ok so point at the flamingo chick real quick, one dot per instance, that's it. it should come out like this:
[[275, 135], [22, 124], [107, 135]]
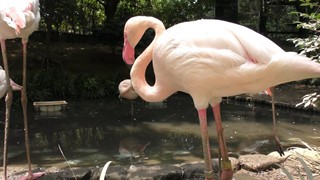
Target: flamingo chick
[[209, 59], [18, 19]]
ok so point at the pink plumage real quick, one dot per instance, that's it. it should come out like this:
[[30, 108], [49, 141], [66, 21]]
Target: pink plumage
[[208, 59], [18, 19]]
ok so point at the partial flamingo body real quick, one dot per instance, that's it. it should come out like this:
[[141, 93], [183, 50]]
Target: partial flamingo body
[[18, 19], [209, 59], [3, 84]]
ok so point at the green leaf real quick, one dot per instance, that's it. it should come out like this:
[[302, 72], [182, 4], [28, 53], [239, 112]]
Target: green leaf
[[305, 4], [285, 171], [306, 168]]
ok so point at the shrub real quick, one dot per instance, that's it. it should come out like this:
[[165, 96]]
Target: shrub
[[309, 46]]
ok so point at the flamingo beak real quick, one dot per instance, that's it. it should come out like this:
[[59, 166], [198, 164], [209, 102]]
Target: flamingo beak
[[127, 52], [129, 66]]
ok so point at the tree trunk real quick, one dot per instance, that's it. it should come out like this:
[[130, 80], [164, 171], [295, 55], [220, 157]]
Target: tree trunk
[[110, 8], [227, 10], [262, 18]]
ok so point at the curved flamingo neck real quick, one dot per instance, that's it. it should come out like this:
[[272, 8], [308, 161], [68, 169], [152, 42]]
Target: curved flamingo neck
[[149, 93]]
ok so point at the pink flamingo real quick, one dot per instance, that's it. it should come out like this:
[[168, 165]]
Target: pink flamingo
[[3, 84], [208, 59], [18, 19]]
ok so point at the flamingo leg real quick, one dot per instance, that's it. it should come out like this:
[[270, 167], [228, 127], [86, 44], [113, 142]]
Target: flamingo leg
[[24, 101], [8, 108], [275, 132], [202, 113], [226, 166]]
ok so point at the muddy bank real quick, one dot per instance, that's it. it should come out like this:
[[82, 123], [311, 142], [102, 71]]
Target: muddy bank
[[245, 167]]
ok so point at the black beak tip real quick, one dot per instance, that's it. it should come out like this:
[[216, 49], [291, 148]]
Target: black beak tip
[[129, 66]]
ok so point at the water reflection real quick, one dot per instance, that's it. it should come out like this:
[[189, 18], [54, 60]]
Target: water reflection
[[90, 132], [132, 148]]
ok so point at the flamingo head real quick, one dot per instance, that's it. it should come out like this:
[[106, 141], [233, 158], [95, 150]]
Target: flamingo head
[[126, 90], [134, 29]]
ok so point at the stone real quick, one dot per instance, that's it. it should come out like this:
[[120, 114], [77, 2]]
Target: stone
[[258, 162], [243, 175], [81, 173], [158, 172]]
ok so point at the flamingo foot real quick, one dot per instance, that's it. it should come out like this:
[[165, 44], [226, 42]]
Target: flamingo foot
[[226, 175], [209, 175], [226, 170], [32, 176], [278, 145]]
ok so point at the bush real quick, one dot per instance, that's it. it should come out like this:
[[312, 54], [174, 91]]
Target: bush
[[50, 84], [88, 87], [309, 46], [54, 84]]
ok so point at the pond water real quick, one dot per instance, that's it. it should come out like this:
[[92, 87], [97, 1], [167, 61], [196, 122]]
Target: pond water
[[90, 132]]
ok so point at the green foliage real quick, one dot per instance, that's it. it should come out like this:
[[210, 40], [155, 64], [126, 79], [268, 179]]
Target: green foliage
[[249, 11], [49, 84], [86, 16], [172, 12], [169, 11], [71, 16], [53, 84], [88, 87], [309, 46]]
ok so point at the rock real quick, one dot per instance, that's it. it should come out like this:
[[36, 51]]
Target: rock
[[158, 172], [311, 157], [80, 174], [235, 164], [258, 166], [243, 175], [194, 170], [258, 162], [300, 152]]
